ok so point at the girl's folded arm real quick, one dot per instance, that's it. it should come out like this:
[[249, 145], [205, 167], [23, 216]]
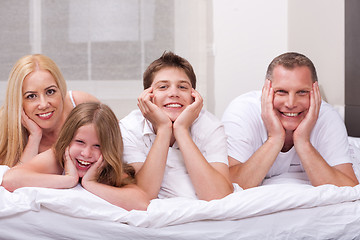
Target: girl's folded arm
[[128, 197], [41, 171]]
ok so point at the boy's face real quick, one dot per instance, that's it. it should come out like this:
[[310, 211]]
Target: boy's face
[[172, 91], [292, 89]]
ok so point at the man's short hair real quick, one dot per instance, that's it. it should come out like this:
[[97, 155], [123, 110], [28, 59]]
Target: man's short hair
[[291, 60]]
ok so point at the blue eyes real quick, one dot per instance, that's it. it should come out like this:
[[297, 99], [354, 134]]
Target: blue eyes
[[303, 92], [280, 92], [283, 92]]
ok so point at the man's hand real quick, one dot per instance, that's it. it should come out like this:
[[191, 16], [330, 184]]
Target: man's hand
[[303, 131], [271, 121]]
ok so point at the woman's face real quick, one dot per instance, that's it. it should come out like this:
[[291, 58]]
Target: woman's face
[[84, 148], [42, 100]]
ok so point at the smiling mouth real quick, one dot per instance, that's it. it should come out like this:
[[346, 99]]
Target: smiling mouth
[[83, 163], [173, 105], [290, 114], [45, 115]]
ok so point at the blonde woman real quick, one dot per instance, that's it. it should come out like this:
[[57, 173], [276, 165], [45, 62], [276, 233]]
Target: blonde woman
[[36, 106], [89, 150]]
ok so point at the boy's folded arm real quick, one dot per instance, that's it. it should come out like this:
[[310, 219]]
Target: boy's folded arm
[[210, 180]]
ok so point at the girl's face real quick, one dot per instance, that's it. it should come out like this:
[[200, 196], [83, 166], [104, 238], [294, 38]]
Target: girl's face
[[85, 148], [172, 91], [42, 100]]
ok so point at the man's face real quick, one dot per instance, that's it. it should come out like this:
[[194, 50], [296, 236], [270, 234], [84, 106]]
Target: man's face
[[291, 94]]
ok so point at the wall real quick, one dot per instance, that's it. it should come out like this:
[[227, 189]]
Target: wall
[[249, 34], [317, 29]]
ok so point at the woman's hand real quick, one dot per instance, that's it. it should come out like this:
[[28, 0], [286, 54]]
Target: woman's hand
[[31, 126]]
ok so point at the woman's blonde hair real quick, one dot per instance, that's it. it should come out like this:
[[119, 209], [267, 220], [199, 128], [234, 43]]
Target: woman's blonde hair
[[14, 136], [110, 140]]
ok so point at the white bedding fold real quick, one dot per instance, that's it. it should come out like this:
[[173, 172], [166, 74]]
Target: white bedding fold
[[278, 195]]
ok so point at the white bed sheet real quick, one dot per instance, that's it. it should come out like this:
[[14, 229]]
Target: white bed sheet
[[328, 222], [285, 207]]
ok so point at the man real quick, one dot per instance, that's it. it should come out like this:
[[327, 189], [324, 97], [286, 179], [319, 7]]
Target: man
[[287, 128]]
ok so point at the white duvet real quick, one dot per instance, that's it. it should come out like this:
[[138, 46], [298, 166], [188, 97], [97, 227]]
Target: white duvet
[[284, 192]]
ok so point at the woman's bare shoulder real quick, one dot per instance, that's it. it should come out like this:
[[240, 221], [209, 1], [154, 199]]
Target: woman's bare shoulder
[[81, 97]]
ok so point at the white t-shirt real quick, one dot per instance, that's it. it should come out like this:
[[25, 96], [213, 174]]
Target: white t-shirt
[[246, 132], [207, 132]]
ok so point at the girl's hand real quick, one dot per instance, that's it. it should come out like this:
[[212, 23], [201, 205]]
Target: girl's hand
[[93, 172], [70, 169]]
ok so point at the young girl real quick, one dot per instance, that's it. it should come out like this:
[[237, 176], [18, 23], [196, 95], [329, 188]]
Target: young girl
[[89, 151]]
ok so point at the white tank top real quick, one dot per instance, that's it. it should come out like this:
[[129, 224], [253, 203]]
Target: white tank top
[[72, 98]]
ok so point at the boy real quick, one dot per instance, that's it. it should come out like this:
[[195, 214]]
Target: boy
[[176, 147]]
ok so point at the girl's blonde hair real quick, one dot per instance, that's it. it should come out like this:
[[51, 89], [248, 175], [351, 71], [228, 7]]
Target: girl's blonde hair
[[110, 140], [14, 136]]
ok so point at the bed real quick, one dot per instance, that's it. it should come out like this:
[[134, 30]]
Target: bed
[[284, 207]]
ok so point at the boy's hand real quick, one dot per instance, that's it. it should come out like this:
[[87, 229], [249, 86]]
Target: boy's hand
[[190, 113], [152, 112]]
